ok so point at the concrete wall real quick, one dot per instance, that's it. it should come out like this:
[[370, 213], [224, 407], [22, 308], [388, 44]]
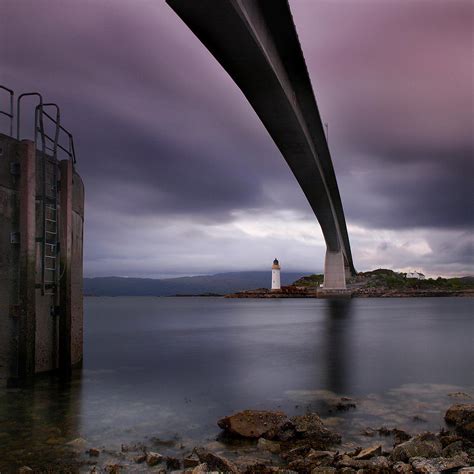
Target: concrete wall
[[38, 332], [9, 258]]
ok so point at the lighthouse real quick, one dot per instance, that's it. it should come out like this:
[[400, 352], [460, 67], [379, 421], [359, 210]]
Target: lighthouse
[[276, 275]]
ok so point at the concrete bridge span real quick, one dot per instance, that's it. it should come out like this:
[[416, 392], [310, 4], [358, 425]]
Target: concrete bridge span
[[257, 44]]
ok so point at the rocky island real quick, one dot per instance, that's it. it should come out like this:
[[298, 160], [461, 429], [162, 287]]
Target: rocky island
[[373, 284]]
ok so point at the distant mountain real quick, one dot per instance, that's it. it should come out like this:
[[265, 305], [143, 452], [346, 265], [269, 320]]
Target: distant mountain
[[221, 284]]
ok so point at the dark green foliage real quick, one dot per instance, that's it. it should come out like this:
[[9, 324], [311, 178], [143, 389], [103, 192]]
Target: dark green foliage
[[311, 280]]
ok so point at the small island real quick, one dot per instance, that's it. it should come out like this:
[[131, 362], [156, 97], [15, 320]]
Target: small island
[[380, 283]]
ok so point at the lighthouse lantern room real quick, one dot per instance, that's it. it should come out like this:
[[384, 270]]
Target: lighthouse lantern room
[[276, 275]]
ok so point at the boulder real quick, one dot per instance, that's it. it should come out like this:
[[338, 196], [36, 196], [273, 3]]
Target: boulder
[[440, 464], [311, 427], [24, 470], [215, 462], [425, 445], [172, 463], [369, 452], [256, 424], [323, 470], [461, 415], [94, 452]]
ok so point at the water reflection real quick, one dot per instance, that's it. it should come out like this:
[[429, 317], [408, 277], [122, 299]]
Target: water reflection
[[37, 422], [338, 324]]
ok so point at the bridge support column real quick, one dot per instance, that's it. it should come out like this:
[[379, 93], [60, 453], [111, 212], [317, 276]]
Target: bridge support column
[[334, 276]]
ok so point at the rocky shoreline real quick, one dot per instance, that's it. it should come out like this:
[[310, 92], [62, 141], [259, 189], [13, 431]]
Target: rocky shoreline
[[312, 292], [264, 442]]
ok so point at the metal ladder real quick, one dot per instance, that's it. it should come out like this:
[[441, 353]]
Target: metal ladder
[[50, 238]]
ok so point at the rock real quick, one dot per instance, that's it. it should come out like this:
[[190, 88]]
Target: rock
[[460, 395], [426, 445], [191, 461], [452, 449], [375, 464], [172, 463], [200, 469], [152, 459], [341, 404], [421, 464], [311, 427], [369, 452], [271, 446], [321, 457], [462, 417], [256, 424], [141, 458], [402, 468], [467, 470], [399, 435], [323, 470], [94, 452], [215, 462], [112, 468], [24, 470], [78, 444]]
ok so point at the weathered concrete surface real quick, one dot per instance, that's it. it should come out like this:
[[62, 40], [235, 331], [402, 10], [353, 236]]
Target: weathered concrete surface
[[29, 328], [257, 44], [9, 258], [77, 299]]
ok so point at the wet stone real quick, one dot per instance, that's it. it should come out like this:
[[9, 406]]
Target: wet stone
[[438, 464], [141, 458], [152, 459], [369, 452], [94, 452], [271, 446], [425, 445], [255, 424], [215, 462]]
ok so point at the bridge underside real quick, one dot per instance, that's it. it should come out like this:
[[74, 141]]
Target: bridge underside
[[257, 44]]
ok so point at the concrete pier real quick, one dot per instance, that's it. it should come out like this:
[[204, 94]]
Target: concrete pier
[[40, 330]]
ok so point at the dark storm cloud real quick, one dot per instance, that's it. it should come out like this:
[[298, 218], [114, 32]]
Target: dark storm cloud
[[161, 130]]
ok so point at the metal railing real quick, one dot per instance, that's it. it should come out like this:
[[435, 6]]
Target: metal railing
[[8, 114], [47, 116]]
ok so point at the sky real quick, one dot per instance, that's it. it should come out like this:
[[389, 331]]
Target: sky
[[181, 177]]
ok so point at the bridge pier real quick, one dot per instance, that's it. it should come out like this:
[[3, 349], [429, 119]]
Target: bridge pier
[[334, 271]]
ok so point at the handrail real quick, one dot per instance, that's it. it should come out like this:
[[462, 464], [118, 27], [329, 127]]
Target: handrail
[[18, 111], [40, 113], [9, 114]]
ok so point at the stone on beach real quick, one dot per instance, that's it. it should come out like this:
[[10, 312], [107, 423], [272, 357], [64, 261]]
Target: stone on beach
[[255, 424], [215, 462], [425, 445], [152, 459], [310, 426], [421, 464], [462, 417], [271, 446], [369, 452]]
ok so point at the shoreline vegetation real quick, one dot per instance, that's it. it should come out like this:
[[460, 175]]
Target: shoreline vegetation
[[380, 283]]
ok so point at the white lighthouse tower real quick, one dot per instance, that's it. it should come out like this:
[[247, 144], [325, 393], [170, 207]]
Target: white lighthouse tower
[[276, 275]]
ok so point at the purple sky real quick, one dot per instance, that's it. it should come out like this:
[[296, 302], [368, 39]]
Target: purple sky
[[180, 175]]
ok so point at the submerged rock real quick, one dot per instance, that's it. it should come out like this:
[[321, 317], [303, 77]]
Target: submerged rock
[[256, 424], [426, 445]]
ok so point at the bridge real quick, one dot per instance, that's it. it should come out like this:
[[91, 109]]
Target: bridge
[[257, 44]]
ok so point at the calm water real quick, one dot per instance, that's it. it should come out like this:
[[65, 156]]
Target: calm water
[[168, 368]]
